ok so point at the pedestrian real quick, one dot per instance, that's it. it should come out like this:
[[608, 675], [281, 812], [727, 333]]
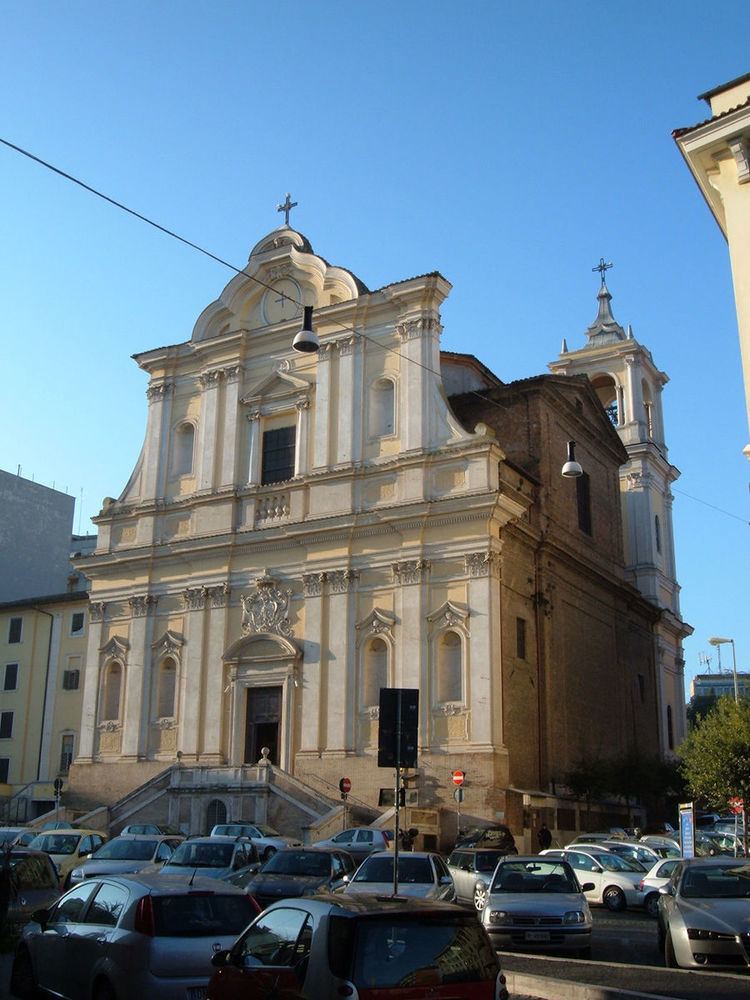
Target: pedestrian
[[544, 837]]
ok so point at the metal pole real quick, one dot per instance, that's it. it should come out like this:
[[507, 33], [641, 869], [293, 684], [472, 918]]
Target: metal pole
[[459, 796], [397, 794], [734, 672]]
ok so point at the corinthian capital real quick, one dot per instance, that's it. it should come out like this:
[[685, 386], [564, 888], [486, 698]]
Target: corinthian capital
[[141, 604], [158, 390], [410, 570]]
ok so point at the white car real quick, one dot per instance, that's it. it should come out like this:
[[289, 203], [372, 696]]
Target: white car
[[652, 882], [267, 840], [615, 879], [420, 873]]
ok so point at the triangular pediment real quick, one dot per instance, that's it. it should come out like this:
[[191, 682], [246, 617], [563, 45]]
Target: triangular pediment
[[279, 383]]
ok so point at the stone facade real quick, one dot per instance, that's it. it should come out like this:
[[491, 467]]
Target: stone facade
[[301, 530]]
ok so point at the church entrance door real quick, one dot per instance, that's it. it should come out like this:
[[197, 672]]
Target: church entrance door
[[262, 725]]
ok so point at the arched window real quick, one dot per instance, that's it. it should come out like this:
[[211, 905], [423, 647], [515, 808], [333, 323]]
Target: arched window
[[183, 449], [657, 532], [610, 397], [375, 671], [166, 691], [648, 407], [670, 728], [215, 813], [382, 408], [449, 672], [112, 689]]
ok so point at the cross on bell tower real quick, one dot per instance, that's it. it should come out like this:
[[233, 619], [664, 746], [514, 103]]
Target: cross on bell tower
[[601, 267], [286, 208]]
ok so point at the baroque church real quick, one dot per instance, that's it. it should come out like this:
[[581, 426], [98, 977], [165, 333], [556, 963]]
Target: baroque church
[[301, 530]]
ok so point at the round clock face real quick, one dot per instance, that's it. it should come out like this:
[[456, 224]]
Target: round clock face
[[281, 303]]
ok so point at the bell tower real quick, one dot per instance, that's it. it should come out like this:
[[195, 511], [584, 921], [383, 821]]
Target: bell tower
[[629, 386]]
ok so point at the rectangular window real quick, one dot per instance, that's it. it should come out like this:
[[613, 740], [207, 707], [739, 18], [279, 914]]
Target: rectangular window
[[76, 623], [6, 725], [15, 629], [11, 677], [71, 680], [66, 753], [521, 638], [4, 768], [278, 455], [583, 492]]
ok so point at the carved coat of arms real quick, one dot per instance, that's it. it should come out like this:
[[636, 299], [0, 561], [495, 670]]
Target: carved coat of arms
[[267, 609]]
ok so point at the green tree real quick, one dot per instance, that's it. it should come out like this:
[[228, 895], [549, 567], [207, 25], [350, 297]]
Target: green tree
[[716, 756], [586, 781]]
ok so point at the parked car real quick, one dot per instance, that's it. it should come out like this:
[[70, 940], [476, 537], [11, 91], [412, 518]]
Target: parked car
[[590, 838], [471, 869], [642, 854], [709, 844], [265, 838], [364, 947], [359, 841], [420, 873], [665, 847], [119, 937], [300, 871], [33, 883], [615, 880], [703, 914], [20, 835], [660, 830], [656, 877], [124, 855], [153, 829], [67, 847], [537, 902], [212, 857], [497, 836]]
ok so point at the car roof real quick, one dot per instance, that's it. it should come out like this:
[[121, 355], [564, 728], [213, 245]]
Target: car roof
[[401, 854], [482, 850], [171, 885], [525, 859], [27, 852], [719, 859], [370, 904], [144, 836], [218, 839]]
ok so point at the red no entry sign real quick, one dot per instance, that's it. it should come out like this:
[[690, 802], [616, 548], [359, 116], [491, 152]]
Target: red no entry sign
[[458, 777], [345, 785]]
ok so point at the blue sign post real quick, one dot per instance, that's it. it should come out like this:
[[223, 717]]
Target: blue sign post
[[687, 829]]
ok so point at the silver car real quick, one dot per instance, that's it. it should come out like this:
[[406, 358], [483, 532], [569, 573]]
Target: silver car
[[654, 879], [704, 914], [124, 936], [267, 840], [472, 868], [537, 902], [421, 874], [212, 857], [123, 856]]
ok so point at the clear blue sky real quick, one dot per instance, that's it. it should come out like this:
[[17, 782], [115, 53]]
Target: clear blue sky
[[508, 146]]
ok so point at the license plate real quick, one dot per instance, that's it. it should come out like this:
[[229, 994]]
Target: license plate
[[196, 992], [536, 936]]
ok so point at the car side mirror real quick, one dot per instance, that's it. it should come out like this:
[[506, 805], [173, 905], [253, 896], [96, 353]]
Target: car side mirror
[[597, 869], [445, 880], [587, 887], [345, 878], [481, 884], [666, 890], [220, 958], [41, 917]]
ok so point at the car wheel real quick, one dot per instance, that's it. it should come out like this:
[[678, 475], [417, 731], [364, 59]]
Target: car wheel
[[614, 898], [269, 853], [22, 982], [651, 904], [480, 898], [670, 959]]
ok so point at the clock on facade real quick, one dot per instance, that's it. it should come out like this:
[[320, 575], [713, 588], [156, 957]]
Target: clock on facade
[[281, 302]]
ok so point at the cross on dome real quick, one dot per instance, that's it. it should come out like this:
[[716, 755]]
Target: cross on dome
[[288, 206], [601, 267]]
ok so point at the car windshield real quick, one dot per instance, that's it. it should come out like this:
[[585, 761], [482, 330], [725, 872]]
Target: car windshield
[[56, 843], [203, 855], [126, 850], [298, 863], [267, 831], [389, 951], [411, 870], [730, 881], [488, 862], [614, 863], [8, 835], [201, 914], [235, 830], [536, 876]]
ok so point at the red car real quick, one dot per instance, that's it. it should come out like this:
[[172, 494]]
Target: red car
[[362, 947]]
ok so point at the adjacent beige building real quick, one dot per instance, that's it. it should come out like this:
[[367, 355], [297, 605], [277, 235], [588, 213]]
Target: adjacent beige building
[[717, 152]]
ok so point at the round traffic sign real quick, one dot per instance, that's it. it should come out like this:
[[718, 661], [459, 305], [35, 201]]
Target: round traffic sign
[[345, 785], [458, 777]]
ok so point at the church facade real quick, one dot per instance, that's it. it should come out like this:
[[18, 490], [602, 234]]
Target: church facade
[[302, 530]]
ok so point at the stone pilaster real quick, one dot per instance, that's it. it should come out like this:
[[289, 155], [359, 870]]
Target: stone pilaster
[[313, 585], [323, 423], [159, 397], [193, 670], [217, 599], [300, 452], [485, 650], [90, 699], [231, 428], [410, 576], [254, 456], [137, 708], [340, 695], [349, 402], [210, 382]]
